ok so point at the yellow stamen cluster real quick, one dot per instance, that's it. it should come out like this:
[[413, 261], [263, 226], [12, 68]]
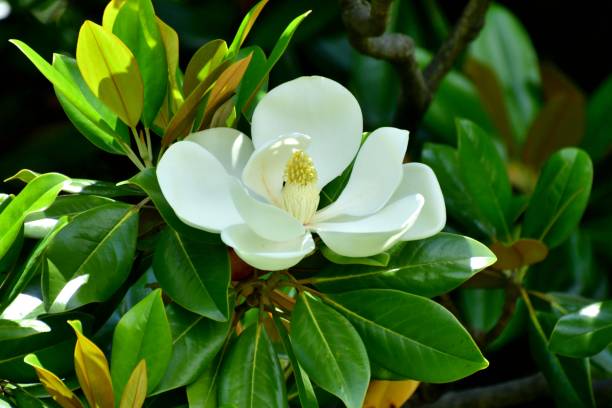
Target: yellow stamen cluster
[[300, 193], [300, 169]]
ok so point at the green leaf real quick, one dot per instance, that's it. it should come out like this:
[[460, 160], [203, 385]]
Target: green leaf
[[381, 259], [410, 335], [251, 376], [306, 393], [89, 259], [598, 137], [205, 60], [53, 384], [202, 393], [69, 206], [253, 81], [17, 281], [569, 379], [330, 350], [245, 28], [427, 267], [504, 45], [484, 175], [147, 181], [583, 333], [194, 274], [277, 52], [96, 131], [36, 196], [195, 343], [142, 333], [16, 329], [456, 97], [560, 197], [79, 108], [136, 26], [110, 70], [481, 308]]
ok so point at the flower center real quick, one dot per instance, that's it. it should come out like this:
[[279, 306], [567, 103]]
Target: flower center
[[300, 193]]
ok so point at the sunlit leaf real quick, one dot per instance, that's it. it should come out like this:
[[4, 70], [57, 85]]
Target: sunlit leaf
[[110, 70], [135, 390], [202, 63], [56, 387], [245, 27]]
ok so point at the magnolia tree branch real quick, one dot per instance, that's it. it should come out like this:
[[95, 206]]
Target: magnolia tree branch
[[366, 23]]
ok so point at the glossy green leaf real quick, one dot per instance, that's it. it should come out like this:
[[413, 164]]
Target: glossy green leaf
[[560, 197], [196, 341], [583, 333], [245, 27], [598, 137], [202, 63], [96, 131], [460, 204], [136, 25], [70, 205], [252, 83], [36, 196], [147, 181], [110, 70], [427, 267], [135, 391], [142, 333], [411, 335], [481, 308], [174, 96], [484, 175], [569, 379], [89, 259], [456, 97], [194, 274], [15, 329], [276, 53], [202, 393], [251, 376], [308, 398], [83, 111], [330, 350], [20, 277], [54, 348], [504, 45], [381, 259]]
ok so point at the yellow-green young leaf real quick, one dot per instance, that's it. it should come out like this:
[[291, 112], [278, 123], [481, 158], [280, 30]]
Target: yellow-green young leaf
[[54, 386], [182, 121], [110, 70], [171, 45], [245, 27], [224, 88], [204, 61], [92, 371], [135, 390], [110, 14]]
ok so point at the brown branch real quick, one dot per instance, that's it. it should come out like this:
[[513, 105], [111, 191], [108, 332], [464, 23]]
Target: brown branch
[[512, 393], [467, 28], [366, 23]]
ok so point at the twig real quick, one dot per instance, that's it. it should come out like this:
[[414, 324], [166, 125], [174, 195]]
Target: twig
[[366, 23]]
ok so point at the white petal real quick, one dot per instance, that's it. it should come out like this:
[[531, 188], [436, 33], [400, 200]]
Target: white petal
[[376, 174], [196, 186], [230, 146], [320, 108], [420, 179], [263, 254], [266, 220], [264, 171], [367, 236]]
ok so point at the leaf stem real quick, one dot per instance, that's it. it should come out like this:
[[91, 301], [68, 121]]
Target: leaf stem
[[532, 313], [132, 156], [149, 146]]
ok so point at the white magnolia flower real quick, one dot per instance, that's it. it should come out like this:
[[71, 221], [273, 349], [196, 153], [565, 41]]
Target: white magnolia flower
[[263, 195]]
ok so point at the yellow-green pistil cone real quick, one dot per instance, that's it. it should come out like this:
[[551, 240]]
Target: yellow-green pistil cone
[[300, 192]]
